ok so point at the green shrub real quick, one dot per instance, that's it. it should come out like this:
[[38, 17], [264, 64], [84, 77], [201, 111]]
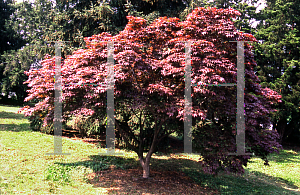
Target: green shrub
[[35, 123], [47, 129], [88, 126]]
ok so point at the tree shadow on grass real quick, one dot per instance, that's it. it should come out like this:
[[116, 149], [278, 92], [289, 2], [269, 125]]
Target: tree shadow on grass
[[100, 163], [286, 156], [15, 127], [175, 176], [272, 185], [229, 183], [11, 115]]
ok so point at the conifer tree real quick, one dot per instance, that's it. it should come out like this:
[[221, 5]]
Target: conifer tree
[[278, 61]]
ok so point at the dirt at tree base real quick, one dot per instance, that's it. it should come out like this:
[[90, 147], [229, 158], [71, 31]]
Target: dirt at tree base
[[160, 182]]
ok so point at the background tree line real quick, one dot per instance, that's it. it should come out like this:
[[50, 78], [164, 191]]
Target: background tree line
[[29, 29]]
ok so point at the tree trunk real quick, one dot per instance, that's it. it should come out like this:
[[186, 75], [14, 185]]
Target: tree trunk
[[289, 129], [145, 162], [146, 170], [146, 165], [280, 127]]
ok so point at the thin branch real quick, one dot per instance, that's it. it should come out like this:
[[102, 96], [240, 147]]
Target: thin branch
[[129, 132], [125, 137]]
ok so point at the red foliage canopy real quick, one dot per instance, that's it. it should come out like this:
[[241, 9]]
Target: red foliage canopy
[[149, 69]]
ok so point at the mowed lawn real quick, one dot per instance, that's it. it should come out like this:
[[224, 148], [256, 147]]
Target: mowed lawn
[[26, 169]]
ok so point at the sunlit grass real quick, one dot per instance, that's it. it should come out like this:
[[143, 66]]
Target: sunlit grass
[[284, 169], [25, 167]]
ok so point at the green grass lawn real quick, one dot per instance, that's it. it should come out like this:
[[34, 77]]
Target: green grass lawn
[[25, 169]]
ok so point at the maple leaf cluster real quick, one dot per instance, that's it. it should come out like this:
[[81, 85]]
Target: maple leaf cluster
[[149, 69]]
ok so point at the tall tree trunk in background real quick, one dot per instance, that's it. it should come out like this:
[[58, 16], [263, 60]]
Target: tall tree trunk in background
[[289, 129], [280, 127]]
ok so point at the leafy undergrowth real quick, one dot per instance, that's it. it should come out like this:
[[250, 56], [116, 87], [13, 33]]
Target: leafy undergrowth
[[26, 169]]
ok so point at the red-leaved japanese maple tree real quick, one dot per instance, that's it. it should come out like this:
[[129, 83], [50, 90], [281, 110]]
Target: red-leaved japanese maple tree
[[149, 69]]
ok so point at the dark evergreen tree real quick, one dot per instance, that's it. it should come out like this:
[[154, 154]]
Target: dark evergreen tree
[[10, 40], [246, 8], [278, 61], [33, 23], [41, 23]]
